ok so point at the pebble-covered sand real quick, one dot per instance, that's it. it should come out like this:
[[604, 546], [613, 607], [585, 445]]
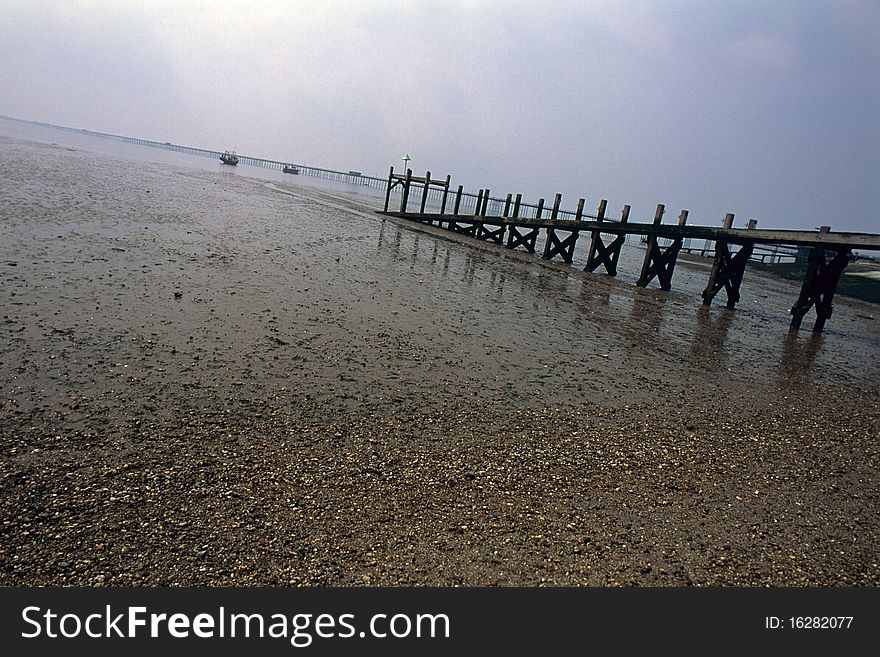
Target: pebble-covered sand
[[213, 379]]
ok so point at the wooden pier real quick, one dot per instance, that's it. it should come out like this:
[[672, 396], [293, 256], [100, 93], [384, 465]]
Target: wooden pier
[[829, 252]]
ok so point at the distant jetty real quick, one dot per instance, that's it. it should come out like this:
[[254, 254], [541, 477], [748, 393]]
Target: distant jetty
[[827, 252]]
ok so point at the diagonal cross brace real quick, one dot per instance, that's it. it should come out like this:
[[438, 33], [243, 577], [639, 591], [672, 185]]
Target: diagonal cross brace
[[527, 239], [555, 245], [488, 234], [600, 254], [469, 228], [659, 263], [820, 284], [727, 272]]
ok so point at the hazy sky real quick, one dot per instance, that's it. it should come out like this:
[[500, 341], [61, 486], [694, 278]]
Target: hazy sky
[[766, 109]]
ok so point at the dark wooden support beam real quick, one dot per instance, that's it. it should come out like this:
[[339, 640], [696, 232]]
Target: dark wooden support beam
[[465, 225], [602, 254], [820, 284], [405, 196], [478, 203], [673, 249], [660, 263], [596, 238], [526, 237], [485, 203], [540, 209], [491, 233], [516, 205], [445, 194], [727, 269], [457, 199], [425, 193], [555, 245], [388, 189], [507, 202]]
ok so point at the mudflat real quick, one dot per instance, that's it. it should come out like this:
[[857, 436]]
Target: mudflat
[[211, 379]]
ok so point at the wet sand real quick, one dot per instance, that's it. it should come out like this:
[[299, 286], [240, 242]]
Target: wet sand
[[213, 379]]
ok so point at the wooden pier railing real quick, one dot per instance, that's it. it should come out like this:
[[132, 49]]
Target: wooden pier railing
[[828, 252]]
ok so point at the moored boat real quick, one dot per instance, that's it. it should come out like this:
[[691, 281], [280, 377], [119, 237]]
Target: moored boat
[[289, 168], [229, 157]]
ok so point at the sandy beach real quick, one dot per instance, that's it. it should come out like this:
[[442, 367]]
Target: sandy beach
[[211, 378]]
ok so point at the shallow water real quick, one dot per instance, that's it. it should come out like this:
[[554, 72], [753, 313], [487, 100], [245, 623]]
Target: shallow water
[[139, 283]]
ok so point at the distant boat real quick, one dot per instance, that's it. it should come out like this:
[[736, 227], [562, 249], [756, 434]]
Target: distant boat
[[289, 168], [229, 158]]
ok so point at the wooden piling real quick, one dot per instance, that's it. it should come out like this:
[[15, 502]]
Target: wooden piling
[[425, 192], [388, 188], [819, 286], [554, 245], [405, 196], [579, 213], [601, 255], [445, 194], [727, 268]]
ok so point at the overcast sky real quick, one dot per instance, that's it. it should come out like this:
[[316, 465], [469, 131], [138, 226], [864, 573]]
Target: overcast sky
[[766, 109]]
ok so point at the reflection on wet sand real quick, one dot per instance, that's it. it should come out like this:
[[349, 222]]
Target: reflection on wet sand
[[647, 311], [798, 356], [708, 345], [595, 292], [415, 249], [496, 282]]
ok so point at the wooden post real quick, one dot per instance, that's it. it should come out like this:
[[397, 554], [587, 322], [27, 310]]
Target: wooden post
[[425, 192], [405, 198], [507, 202], [671, 254], [579, 214], [554, 245], [820, 284], [388, 190], [659, 262], [720, 245], [540, 209], [551, 240], [652, 242], [457, 199], [485, 203], [596, 236], [599, 253], [727, 268], [516, 205], [624, 214], [479, 202], [445, 194]]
